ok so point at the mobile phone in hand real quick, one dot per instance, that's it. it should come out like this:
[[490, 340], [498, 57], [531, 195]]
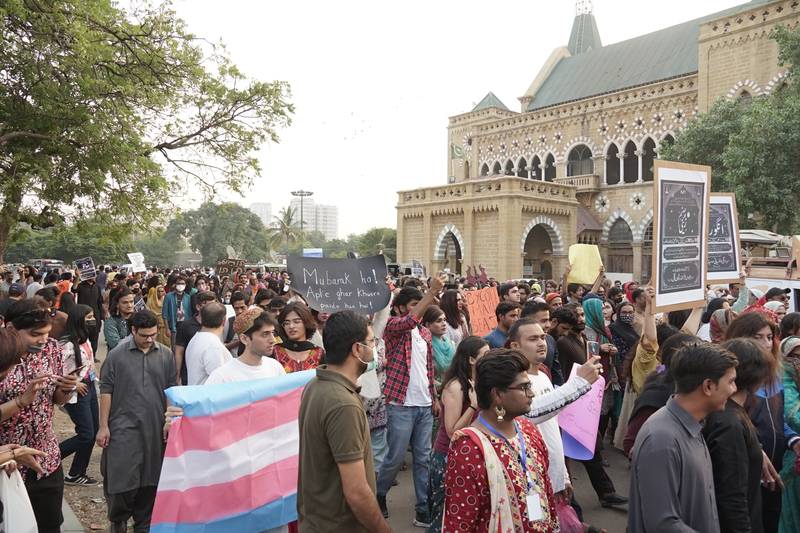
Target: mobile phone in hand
[[593, 348]]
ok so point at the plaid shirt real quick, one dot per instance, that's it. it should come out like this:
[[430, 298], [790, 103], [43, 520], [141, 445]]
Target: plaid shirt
[[397, 337]]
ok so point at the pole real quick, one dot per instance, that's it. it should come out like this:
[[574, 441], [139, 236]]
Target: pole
[[302, 194]]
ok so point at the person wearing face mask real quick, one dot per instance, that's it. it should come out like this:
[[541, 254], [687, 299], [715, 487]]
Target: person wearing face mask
[[88, 293], [336, 486], [30, 417], [177, 308], [78, 358]]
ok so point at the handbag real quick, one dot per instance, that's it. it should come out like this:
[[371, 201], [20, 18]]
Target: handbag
[[18, 514]]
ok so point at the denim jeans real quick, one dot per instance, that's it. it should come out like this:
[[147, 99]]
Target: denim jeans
[[84, 415], [408, 425], [379, 447]]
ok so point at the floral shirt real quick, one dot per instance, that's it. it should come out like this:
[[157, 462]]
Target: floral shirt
[[33, 426], [313, 360], [467, 498]]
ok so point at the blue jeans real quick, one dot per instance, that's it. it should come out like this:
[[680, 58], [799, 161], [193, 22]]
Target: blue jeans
[[379, 447], [408, 425], [84, 415]]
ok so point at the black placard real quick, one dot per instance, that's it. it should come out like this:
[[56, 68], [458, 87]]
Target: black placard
[[227, 267], [330, 285], [86, 268], [722, 252], [680, 260]]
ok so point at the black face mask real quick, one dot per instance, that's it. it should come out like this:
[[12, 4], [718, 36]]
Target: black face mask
[[91, 323], [35, 348]]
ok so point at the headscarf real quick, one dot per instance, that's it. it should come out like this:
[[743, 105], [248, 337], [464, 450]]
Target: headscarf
[[551, 296], [623, 335], [720, 320], [714, 305], [774, 306], [626, 288], [593, 309], [152, 301], [787, 346]]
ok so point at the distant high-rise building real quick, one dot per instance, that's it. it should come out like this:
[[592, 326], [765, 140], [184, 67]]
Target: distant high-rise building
[[318, 217], [263, 211]]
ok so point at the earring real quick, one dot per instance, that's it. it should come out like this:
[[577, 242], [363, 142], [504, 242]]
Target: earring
[[500, 413]]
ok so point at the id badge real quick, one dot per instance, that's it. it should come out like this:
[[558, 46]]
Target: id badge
[[534, 507]]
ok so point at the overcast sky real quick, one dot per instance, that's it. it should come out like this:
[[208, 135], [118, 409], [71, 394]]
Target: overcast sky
[[374, 82]]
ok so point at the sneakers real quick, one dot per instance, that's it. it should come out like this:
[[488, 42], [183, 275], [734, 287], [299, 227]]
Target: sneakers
[[382, 505], [422, 520], [610, 500], [83, 479]]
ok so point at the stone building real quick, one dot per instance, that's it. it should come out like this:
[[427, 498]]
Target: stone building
[[575, 162]]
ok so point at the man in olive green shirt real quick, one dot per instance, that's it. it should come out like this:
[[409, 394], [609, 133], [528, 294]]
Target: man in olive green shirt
[[336, 485]]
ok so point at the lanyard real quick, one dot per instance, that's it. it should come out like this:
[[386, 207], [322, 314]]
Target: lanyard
[[523, 452]]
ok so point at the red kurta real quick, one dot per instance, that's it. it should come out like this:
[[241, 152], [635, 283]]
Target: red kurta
[[467, 500]]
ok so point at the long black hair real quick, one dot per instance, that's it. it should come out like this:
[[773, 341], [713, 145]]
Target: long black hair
[[449, 305], [121, 293], [76, 331], [460, 368]]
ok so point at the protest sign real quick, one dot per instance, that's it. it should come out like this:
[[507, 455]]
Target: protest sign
[[580, 420], [232, 459], [680, 233], [137, 262], [330, 285], [417, 270], [585, 263], [724, 252], [481, 305], [227, 267], [86, 269]]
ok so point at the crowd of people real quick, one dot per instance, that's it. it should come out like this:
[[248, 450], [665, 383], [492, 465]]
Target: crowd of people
[[703, 401]]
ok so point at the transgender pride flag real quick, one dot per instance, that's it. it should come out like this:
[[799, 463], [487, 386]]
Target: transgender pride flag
[[231, 460]]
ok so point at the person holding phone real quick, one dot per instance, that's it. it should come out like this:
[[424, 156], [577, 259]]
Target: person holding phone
[[78, 360]]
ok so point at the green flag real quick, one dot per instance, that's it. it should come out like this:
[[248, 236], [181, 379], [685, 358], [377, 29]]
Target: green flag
[[456, 152]]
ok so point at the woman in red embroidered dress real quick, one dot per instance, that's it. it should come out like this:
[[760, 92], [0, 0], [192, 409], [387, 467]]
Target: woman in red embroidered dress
[[496, 479], [296, 352]]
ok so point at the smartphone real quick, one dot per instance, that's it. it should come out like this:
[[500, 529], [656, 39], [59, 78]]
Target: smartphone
[[593, 348], [77, 370]]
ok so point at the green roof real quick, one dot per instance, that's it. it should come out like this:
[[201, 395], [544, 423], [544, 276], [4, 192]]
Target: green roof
[[490, 100], [585, 36], [660, 55]]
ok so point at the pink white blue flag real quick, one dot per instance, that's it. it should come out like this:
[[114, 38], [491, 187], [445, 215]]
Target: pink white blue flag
[[231, 461]]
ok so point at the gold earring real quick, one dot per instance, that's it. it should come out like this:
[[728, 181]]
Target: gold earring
[[500, 413]]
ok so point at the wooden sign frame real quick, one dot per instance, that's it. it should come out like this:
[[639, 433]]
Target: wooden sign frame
[[673, 299], [728, 276]]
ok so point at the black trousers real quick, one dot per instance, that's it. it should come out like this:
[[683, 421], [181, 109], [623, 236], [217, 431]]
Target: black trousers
[[46, 495], [136, 504], [94, 335], [771, 509], [601, 483]]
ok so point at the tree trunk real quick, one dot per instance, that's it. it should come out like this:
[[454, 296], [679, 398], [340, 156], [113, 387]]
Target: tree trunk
[[9, 215]]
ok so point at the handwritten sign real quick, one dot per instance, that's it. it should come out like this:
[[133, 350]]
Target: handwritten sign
[[481, 305], [723, 239], [580, 421], [137, 262], [680, 233], [226, 267], [86, 269], [330, 285], [585, 263]]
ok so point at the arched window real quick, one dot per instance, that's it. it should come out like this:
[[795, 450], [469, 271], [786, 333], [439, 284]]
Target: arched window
[[509, 168], [648, 155], [522, 168], [745, 98], [466, 170], [485, 170], [579, 161], [612, 165], [630, 168], [497, 169], [620, 248], [536, 168], [668, 140], [549, 168]]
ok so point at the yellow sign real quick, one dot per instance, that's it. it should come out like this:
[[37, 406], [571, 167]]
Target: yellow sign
[[585, 262]]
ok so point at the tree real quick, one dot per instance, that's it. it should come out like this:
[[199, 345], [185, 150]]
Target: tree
[[211, 228], [754, 149], [107, 110], [285, 229], [378, 240]]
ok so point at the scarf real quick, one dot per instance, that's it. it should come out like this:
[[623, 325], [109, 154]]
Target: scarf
[[625, 334], [593, 308], [720, 320], [297, 346], [443, 352], [153, 303], [626, 288]]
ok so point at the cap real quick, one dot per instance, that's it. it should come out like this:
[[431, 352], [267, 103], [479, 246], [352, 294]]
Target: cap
[[551, 296], [16, 289], [245, 321], [789, 344], [776, 291], [535, 287]]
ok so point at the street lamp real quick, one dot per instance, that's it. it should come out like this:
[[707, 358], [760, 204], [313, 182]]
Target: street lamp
[[302, 194]]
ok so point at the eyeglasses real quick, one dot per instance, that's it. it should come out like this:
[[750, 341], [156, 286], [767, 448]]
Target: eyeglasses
[[524, 387], [153, 336]]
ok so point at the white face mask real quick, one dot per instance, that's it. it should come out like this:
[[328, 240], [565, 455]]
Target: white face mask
[[371, 365], [180, 288]]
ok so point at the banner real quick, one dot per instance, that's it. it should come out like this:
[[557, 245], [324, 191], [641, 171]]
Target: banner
[[227, 267], [580, 420], [232, 459], [86, 269], [724, 251], [137, 262], [481, 305], [680, 234], [331, 285], [585, 263]]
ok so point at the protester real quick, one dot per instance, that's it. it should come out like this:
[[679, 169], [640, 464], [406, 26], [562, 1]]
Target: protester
[[713, 306], [34, 285], [443, 348], [410, 395], [459, 408], [177, 307], [554, 300], [237, 303], [506, 313], [206, 352], [509, 292], [132, 405], [89, 294], [58, 319], [497, 467], [777, 307], [718, 325], [155, 303], [597, 332], [790, 473], [187, 329], [671, 473], [733, 444], [539, 312], [372, 383], [296, 352], [790, 325], [336, 488], [78, 359], [452, 304], [30, 419], [121, 309]]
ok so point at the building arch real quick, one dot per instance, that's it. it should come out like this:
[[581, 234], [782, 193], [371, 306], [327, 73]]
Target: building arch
[[522, 168], [745, 86], [648, 158], [578, 141], [612, 164], [497, 169], [449, 239], [549, 167], [552, 230], [776, 82], [620, 247], [666, 140], [616, 215], [580, 161], [536, 168], [509, 168], [485, 169], [630, 166], [640, 229]]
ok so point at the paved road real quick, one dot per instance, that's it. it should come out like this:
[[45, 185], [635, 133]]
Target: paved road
[[401, 498]]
